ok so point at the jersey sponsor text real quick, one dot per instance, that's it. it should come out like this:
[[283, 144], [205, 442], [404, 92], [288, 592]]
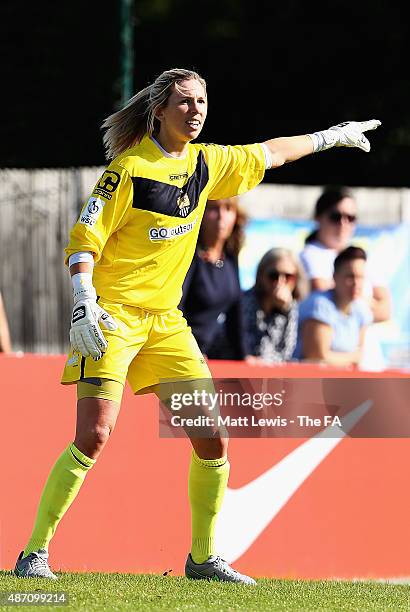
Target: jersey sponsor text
[[167, 233]]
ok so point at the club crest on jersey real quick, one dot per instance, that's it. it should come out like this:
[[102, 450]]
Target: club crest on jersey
[[183, 204]]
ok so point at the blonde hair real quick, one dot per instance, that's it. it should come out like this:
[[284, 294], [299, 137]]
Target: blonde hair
[[127, 126]]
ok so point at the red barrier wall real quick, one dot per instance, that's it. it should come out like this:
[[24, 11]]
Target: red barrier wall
[[349, 518]]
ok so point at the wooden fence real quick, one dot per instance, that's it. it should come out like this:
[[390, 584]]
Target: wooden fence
[[37, 209]]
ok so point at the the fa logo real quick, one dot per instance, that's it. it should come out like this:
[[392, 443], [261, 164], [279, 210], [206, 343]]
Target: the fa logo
[[183, 204]]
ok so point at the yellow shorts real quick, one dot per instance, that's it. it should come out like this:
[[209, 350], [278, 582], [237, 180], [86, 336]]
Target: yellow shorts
[[146, 349]]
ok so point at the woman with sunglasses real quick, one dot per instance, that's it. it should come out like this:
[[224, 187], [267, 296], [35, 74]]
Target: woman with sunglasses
[[270, 308], [336, 216]]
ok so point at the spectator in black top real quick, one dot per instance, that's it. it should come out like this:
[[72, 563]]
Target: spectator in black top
[[271, 310], [211, 299]]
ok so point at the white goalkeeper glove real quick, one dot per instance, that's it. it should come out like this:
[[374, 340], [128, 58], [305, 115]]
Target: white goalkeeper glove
[[348, 134], [86, 336]]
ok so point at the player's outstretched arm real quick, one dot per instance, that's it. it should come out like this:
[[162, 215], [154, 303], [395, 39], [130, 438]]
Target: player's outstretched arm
[[348, 134]]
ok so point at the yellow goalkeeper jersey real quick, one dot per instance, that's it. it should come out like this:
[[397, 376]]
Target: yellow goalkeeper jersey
[[142, 220]]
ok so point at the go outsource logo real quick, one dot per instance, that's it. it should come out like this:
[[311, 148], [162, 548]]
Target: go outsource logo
[[168, 233]]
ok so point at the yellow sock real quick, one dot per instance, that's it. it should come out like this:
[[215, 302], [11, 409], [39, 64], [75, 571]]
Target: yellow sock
[[208, 479], [61, 489]]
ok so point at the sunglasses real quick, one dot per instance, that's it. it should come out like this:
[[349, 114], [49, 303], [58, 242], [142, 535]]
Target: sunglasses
[[336, 217], [274, 275]]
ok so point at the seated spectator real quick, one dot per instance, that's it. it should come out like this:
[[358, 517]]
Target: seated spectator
[[270, 308], [211, 299], [5, 344], [336, 215], [332, 323]]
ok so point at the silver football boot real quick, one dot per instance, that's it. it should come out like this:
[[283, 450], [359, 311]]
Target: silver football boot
[[34, 565], [215, 569]]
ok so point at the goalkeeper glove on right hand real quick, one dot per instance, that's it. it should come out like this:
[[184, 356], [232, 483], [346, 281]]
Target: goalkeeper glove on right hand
[[86, 336]]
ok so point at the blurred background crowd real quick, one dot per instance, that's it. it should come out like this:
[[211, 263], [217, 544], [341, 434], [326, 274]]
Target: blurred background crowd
[[318, 293], [320, 304]]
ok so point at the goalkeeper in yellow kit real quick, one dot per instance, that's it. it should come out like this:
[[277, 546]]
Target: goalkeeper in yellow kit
[[132, 246]]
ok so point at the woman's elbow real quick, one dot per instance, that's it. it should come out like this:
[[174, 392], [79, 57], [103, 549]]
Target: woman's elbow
[[381, 311]]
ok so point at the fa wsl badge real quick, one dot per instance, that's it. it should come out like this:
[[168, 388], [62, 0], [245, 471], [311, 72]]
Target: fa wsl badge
[[91, 211], [183, 204]]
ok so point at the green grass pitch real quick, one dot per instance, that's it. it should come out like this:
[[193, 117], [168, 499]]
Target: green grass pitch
[[122, 592]]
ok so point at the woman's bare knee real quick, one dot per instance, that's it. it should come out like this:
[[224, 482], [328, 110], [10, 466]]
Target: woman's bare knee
[[210, 448], [96, 420]]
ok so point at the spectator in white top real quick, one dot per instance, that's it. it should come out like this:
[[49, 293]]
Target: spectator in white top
[[336, 216]]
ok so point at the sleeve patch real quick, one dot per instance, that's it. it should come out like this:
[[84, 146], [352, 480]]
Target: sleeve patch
[[107, 184], [92, 211]]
